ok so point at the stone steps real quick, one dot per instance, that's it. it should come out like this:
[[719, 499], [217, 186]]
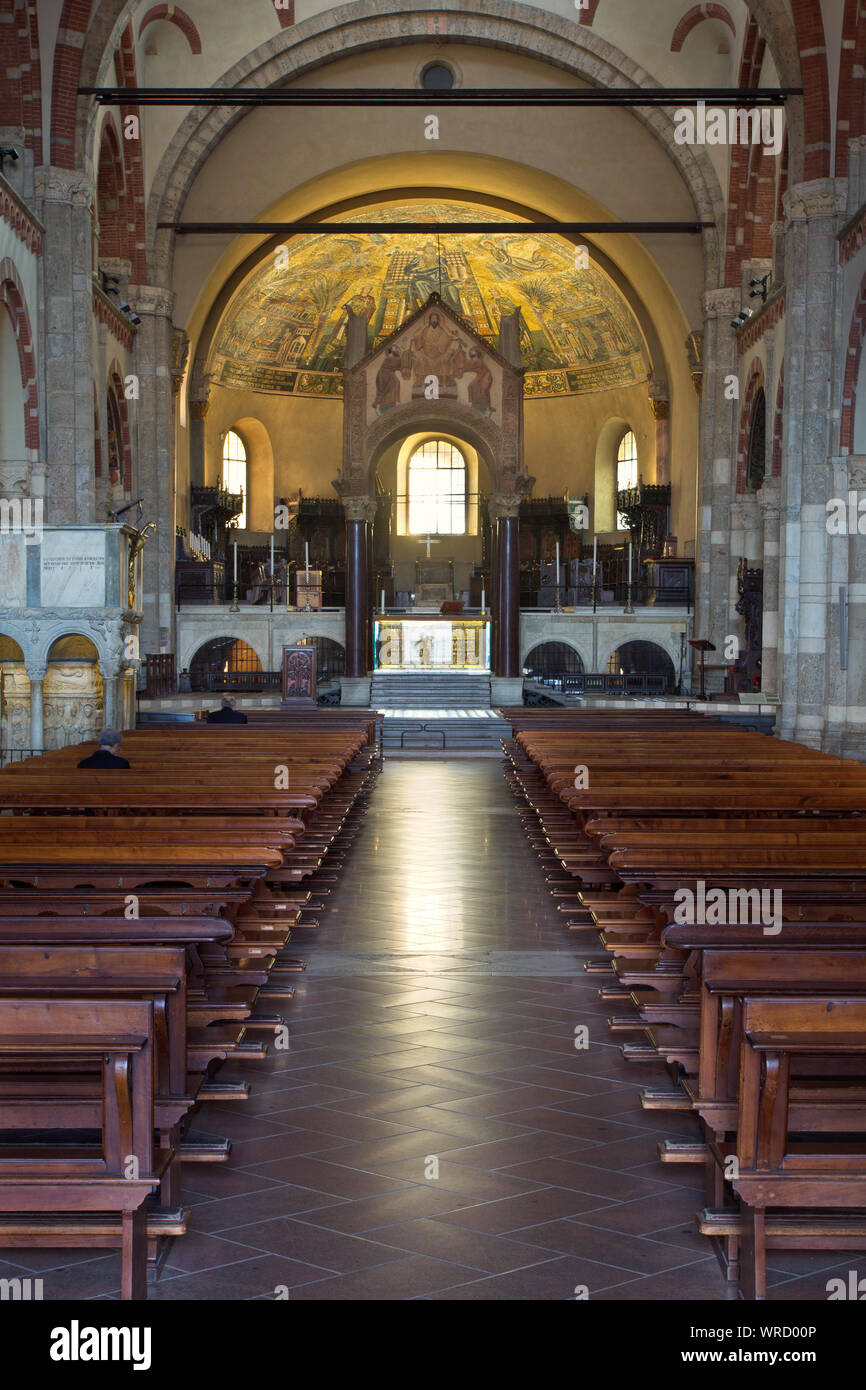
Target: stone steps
[[430, 690]]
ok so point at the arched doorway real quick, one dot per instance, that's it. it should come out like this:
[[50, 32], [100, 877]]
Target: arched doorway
[[226, 663], [645, 668], [14, 701], [73, 693], [551, 663]]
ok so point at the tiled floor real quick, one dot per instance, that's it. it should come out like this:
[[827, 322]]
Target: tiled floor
[[432, 1132]]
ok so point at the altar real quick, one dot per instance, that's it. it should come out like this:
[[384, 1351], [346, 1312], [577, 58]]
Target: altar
[[432, 642]]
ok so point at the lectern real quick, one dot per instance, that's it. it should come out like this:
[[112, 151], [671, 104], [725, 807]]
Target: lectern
[[299, 676], [701, 645]]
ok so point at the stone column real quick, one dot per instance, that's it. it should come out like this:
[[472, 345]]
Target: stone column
[[508, 682], [199, 400], [36, 672], [110, 672], [813, 212], [152, 425], [661, 409], [360, 512], [65, 198], [713, 562], [770, 496]]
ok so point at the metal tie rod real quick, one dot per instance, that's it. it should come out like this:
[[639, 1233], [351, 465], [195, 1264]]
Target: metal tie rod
[[462, 96], [427, 228]]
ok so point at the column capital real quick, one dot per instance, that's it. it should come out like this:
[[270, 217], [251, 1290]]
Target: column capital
[[152, 299], [856, 467], [722, 303], [504, 504], [36, 670], [360, 508], [54, 185], [818, 198]]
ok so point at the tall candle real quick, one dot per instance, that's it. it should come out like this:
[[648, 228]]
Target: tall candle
[[272, 557], [557, 564], [382, 604], [307, 559], [483, 600], [594, 555], [629, 562], [236, 560]]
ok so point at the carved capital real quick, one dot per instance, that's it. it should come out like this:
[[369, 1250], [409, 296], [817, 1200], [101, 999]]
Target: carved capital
[[360, 508], [660, 407], [818, 198], [36, 671], [152, 299], [179, 355], [717, 304], [856, 468], [53, 185]]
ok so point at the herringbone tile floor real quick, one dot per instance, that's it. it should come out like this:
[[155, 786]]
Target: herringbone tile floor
[[431, 1131]]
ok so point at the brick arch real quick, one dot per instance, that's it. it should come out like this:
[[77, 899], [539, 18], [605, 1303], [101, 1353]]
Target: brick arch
[[13, 297], [21, 73], [695, 16], [115, 393], [111, 193], [776, 452], [816, 84], [173, 14], [851, 102], [852, 371], [754, 382], [285, 14]]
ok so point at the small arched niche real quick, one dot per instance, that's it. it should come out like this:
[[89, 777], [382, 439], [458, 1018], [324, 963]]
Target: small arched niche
[[72, 690]]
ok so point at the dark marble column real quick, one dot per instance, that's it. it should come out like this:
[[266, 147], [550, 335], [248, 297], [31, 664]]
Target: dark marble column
[[358, 595], [508, 555]]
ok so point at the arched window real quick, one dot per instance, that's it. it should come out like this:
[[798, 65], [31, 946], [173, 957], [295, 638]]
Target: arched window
[[114, 430], [626, 471], [757, 463], [436, 77], [235, 471], [437, 490]]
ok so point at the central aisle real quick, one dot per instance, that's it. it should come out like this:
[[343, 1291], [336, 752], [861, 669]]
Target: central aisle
[[432, 1132]]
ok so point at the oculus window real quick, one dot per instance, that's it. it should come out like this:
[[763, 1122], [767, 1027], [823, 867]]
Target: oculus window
[[437, 490], [626, 472], [235, 470]]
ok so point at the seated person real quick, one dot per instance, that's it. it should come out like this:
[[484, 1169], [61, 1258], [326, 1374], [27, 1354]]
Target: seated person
[[226, 714], [106, 755]]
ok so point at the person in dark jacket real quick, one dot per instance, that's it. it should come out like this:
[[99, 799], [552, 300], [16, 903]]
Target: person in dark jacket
[[107, 753], [226, 714]]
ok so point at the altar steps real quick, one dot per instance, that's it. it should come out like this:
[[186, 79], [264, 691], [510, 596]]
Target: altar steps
[[436, 690], [444, 729]]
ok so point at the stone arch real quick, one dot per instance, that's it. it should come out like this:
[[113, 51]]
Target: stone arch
[[555, 642], [665, 647], [851, 102], [695, 16], [196, 643], [604, 490], [173, 14], [53, 631], [260, 471], [657, 365], [13, 297], [508, 26], [754, 384], [440, 417]]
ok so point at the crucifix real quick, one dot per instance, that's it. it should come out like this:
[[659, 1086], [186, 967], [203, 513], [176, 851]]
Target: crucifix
[[428, 542]]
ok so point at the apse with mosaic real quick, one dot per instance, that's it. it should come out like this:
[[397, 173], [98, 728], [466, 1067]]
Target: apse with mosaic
[[285, 330]]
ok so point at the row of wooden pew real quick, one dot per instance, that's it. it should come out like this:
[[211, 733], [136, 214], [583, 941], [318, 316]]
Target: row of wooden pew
[[144, 920], [726, 874]]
